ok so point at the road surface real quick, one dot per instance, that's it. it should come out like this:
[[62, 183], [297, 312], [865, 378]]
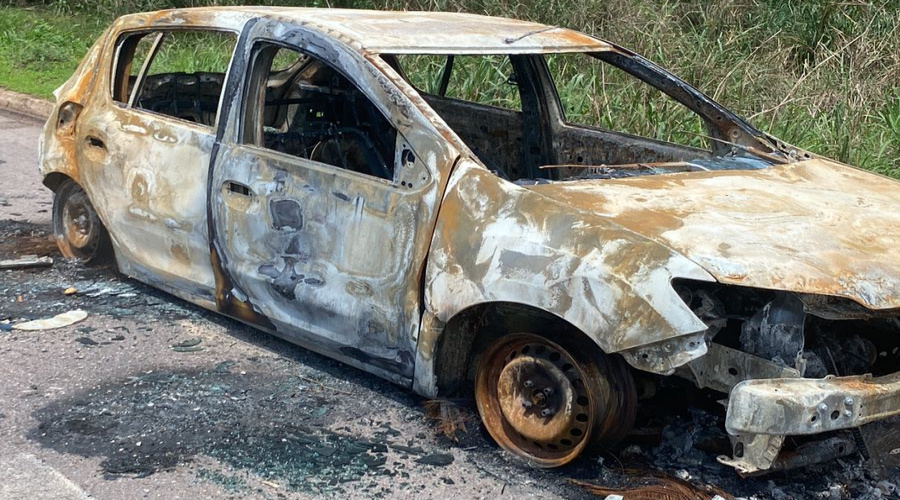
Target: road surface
[[107, 409], [151, 397]]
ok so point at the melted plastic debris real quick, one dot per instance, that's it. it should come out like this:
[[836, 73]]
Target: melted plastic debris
[[58, 321]]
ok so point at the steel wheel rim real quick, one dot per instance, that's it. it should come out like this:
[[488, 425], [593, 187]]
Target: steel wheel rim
[[78, 227], [501, 390]]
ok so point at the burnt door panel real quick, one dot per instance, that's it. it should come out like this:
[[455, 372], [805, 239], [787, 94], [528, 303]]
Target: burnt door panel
[[323, 197], [328, 257], [144, 149], [148, 182]]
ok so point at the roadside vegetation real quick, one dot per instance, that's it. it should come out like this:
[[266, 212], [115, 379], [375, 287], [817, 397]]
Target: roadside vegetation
[[824, 75]]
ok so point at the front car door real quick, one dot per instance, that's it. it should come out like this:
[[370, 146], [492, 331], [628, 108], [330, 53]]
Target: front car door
[[324, 193]]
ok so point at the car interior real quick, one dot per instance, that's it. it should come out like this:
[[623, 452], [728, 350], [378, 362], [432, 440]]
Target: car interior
[[525, 146], [310, 110], [193, 97]]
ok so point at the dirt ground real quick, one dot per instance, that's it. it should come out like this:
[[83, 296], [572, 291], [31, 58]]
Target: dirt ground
[[151, 397]]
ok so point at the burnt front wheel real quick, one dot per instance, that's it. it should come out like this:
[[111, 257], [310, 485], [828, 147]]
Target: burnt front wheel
[[79, 233], [548, 402]]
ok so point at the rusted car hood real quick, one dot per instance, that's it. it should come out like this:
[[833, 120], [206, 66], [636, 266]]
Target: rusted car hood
[[813, 226]]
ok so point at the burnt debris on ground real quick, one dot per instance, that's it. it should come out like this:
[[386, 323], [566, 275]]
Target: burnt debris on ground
[[296, 432], [273, 427], [41, 292], [671, 455]]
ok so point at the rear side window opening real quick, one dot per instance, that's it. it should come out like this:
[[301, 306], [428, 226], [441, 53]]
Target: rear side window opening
[[177, 73]]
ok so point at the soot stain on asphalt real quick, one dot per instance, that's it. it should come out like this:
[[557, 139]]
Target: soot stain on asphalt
[[272, 427]]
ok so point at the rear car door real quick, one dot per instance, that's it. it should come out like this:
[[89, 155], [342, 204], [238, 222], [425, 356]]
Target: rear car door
[[323, 199], [144, 149]]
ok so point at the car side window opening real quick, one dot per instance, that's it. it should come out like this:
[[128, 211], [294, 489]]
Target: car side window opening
[[618, 124], [132, 52], [484, 79], [310, 110], [175, 73], [478, 96]]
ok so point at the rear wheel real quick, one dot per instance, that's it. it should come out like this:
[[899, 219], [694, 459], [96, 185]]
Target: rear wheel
[[548, 402], [79, 233]]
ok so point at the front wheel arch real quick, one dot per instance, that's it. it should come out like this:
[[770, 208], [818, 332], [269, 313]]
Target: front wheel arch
[[472, 330], [469, 335]]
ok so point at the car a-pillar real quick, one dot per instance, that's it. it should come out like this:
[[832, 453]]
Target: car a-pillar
[[544, 390]]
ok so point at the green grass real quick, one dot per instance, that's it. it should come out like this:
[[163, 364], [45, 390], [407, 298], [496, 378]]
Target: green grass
[[178, 53], [596, 94], [39, 49], [824, 75], [474, 78]]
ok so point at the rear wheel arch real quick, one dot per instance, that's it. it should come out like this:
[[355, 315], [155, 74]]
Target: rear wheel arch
[[53, 180], [79, 232]]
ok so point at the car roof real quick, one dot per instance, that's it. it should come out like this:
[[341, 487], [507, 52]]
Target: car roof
[[401, 32]]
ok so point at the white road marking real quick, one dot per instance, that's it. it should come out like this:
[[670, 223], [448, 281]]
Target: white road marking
[[26, 476]]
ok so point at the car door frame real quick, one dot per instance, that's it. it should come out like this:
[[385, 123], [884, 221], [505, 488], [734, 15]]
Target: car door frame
[[172, 251], [436, 154]]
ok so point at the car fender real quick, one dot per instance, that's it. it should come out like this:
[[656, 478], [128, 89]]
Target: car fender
[[56, 146], [497, 242]]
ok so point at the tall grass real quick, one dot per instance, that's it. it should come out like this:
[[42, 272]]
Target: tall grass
[[39, 50], [179, 53], [597, 94], [484, 80], [823, 74]]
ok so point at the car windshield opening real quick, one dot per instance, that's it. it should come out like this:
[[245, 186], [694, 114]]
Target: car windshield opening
[[568, 116]]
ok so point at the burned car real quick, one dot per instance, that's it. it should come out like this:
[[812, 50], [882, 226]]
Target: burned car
[[431, 198]]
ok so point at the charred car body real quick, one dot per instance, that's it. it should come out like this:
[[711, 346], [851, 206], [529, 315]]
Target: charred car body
[[310, 184]]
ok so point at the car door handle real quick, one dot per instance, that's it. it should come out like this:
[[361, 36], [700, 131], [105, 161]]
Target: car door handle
[[96, 142], [238, 188]]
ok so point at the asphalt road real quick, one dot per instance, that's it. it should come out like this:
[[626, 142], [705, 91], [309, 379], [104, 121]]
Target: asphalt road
[[108, 409], [22, 197], [151, 397]]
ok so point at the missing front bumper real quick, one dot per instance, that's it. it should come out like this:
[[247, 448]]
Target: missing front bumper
[[762, 412]]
